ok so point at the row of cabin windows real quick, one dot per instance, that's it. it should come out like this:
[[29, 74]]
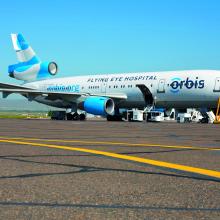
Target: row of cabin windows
[[122, 86], [115, 87], [93, 87]]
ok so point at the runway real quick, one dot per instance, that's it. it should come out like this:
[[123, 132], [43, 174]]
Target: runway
[[108, 170]]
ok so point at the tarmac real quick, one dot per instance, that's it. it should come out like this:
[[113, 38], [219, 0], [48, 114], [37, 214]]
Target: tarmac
[[96, 169]]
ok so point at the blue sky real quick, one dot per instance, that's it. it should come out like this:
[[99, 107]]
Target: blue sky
[[110, 36]]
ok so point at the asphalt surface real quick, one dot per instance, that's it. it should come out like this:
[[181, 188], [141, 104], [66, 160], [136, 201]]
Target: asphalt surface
[[57, 170]]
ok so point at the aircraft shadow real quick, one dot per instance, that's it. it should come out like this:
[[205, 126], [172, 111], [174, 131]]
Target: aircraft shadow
[[91, 169], [106, 206]]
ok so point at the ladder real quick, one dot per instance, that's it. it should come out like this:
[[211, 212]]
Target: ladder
[[217, 116], [148, 108]]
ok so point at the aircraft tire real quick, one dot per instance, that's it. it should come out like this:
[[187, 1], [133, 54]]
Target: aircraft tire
[[75, 116], [69, 117], [114, 118], [82, 117]]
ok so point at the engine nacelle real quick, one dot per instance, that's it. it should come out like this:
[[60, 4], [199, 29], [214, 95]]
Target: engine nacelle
[[30, 72], [99, 105], [49, 68]]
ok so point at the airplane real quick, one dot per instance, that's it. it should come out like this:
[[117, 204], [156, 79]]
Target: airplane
[[106, 94]]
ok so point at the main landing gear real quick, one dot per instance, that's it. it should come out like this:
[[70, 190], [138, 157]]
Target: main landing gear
[[114, 118], [70, 116], [74, 116]]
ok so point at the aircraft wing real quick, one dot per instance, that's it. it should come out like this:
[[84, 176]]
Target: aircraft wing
[[6, 89], [12, 86]]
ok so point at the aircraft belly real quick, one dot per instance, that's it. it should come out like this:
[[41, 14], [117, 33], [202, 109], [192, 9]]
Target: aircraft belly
[[54, 103], [131, 104], [172, 101]]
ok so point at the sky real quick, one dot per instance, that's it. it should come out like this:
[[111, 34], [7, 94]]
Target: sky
[[113, 36]]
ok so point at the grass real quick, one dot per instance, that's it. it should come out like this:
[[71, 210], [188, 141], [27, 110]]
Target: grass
[[23, 115]]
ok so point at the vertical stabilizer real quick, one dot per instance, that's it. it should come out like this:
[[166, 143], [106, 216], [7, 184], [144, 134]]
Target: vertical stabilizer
[[23, 50]]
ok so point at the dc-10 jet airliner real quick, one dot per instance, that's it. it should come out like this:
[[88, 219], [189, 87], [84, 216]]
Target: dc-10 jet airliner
[[105, 94]]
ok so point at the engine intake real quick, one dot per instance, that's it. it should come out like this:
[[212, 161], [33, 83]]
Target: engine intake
[[99, 105], [50, 67]]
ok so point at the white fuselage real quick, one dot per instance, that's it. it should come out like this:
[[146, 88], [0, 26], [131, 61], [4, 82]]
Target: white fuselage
[[173, 89]]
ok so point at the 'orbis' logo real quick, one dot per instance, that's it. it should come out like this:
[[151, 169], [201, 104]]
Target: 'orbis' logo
[[177, 84]]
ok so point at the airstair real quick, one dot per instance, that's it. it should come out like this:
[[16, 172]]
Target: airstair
[[217, 116], [148, 108]]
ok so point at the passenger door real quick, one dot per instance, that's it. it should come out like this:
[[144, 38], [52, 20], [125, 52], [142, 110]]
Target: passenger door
[[161, 86], [217, 85], [103, 87]]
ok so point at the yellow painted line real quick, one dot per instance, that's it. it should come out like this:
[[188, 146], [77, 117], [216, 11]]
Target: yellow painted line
[[114, 143], [195, 170]]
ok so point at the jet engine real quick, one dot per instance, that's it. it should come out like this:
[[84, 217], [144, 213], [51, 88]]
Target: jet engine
[[29, 72], [99, 105]]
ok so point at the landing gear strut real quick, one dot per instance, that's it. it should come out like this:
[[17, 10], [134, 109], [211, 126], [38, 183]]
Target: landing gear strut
[[116, 117]]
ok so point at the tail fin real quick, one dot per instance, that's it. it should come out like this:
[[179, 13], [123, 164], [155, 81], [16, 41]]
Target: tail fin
[[23, 50], [29, 67]]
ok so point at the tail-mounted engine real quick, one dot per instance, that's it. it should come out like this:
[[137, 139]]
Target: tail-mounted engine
[[30, 72]]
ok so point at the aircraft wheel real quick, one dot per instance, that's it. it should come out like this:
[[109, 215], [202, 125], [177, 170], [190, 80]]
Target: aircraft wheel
[[114, 118], [82, 117], [69, 117], [109, 118], [75, 116]]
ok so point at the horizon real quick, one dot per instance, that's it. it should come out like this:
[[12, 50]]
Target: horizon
[[13, 104]]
